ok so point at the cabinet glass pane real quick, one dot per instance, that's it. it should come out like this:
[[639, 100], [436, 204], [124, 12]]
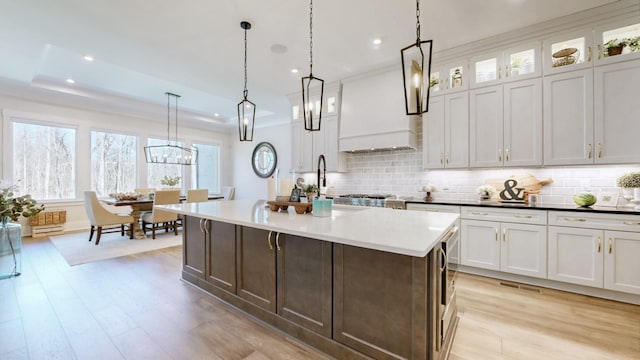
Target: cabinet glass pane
[[455, 76], [486, 70], [434, 81], [331, 104], [568, 52], [523, 62], [622, 40], [295, 112]]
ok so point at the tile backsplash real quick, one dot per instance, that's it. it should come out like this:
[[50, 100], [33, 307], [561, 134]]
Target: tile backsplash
[[400, 172]]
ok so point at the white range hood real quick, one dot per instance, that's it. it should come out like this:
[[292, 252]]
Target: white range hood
[[372, 115]]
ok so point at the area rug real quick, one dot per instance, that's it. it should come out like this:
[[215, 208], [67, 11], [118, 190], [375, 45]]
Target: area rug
[[76, 248]]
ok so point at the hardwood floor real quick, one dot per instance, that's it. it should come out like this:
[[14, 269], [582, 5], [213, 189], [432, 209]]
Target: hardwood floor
[[136, 307]]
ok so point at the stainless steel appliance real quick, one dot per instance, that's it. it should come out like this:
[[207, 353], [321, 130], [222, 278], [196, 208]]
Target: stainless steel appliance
[[373, 200], [449, 259]]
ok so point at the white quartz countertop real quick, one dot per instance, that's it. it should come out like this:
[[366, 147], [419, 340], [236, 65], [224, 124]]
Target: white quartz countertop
[[412, 233]]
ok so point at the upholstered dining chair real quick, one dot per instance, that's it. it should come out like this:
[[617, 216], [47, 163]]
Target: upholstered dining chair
[[228, 192], [197, 195], [100, 217], [162, 219]]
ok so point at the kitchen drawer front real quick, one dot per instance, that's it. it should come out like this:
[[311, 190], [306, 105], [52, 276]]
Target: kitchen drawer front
[[434, 208], [595, 221], [538, 217]]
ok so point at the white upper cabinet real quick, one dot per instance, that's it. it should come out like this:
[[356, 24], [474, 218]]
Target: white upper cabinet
[[445, 132], [617, 42], [566, 52], [449, 78], [516, 63]]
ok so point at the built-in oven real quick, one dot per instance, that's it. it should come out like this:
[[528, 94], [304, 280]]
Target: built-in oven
[[448, 270]]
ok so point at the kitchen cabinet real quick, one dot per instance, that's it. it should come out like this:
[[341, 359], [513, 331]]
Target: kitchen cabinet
[[325, 142], [516, 63], [448, 78], [617, 31], [288, 275], [505, 125], [569, 51], [595, 250], [221, 260], [445, 135], [193, 258], [568, 118], [301, 148], [517, 244]]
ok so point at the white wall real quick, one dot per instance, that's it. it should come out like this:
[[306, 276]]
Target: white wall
[[248, 184]]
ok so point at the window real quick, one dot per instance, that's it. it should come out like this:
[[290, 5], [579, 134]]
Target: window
[[113, 163], [206, 173], [156, 172], [44, 160]]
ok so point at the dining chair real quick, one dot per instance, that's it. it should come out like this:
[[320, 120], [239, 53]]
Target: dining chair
[[162, 219], [228, 192], [144, 191], [197, 195], [103, 220]]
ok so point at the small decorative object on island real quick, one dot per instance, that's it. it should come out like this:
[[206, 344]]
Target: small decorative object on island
[[628, 181], [11, 209], [170, 181], [486, 192], [584, 199], [428, 189], [311, 190]]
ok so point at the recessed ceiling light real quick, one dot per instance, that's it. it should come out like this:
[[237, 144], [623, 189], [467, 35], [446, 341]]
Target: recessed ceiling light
[[294, 70], [88, 58], [216, 114], [376, 41], [71, 81]]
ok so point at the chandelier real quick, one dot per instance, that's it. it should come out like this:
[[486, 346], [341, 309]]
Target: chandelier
[[311, 97], [246, 109]]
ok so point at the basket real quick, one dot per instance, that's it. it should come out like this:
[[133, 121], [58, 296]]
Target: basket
[[566, 56]]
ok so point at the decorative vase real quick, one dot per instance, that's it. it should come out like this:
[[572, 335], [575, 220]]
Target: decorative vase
[[311, 196], [428, 197], [10, 249]]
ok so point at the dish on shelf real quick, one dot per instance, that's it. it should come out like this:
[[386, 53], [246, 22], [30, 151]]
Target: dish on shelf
[[565, 56]]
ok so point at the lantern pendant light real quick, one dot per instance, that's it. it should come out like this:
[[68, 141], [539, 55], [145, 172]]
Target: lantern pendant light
[[246, 109], [312, 88], [416, 72]]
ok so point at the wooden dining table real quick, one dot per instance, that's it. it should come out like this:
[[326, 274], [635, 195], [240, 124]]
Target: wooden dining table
[[138, 207]]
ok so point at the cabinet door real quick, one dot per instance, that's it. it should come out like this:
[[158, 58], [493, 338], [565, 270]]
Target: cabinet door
[[432, 135], [622, 261], [325, 142], [485, 127], [567, 52], [524, 249], [523, 123], [256, 267], [617, 116], [568, 118], [304, 282], [193, 246], [221, 264], [522, 61], [480, 245], [456, 130], [301, 147], [575, 255], [486, 69], [619, 30]]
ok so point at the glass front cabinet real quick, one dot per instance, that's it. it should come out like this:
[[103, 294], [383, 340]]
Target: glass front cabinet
[[516, 63], [449, 78]]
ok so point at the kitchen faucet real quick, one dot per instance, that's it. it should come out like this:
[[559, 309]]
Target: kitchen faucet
[[324, 174]]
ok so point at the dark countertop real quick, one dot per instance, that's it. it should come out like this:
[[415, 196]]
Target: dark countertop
[[629, 210]]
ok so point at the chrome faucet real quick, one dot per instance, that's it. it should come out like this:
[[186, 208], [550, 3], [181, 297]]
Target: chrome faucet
[[324, 174]]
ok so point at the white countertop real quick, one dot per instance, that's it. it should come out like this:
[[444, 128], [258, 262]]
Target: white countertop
[[412, 233]]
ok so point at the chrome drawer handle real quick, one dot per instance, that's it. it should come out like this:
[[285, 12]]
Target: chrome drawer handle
[[632, 222], [523, 216], [575, 219], [479, 213]]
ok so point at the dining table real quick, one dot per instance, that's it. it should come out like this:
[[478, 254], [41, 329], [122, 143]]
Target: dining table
[[139, 206]]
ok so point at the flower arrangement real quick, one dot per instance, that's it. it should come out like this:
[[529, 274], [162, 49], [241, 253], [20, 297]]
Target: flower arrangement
[[310, 189], [429, 188], [13, 207], [486, 191], [629, 180], [170, 181]]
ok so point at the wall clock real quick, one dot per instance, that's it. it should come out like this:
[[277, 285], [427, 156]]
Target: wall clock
[[264, 159]]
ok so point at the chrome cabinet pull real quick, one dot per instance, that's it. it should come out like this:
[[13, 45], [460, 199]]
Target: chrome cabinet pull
[[278, 241], [589, 54], [575, 219], [506, 152], [479, 213], [610, 245], [201, 228], [631, 222], [599, 244], [590, 151], [444, 260], [269, 241], [599, 150], [206, 224], [523, 216]]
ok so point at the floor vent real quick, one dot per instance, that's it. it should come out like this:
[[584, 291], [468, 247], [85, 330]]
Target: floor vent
[[521, 287]]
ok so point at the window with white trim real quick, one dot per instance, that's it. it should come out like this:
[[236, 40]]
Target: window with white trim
[[113, 162], [206, 173]]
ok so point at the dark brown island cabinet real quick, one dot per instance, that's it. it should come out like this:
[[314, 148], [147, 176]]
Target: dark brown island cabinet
[[347, 301]]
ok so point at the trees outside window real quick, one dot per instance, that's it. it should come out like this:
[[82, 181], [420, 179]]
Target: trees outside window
[[113, 163], [156, 172], [206, 173]]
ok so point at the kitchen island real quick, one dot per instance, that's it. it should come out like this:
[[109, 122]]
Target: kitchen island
[[361, 283]]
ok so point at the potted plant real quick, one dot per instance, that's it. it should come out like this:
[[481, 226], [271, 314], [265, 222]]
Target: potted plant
[[630, 180], [633, 43], [170, 181], [517, 63], [614, 47], [428, 189], [13, 207], [486, 191], [311, 190]]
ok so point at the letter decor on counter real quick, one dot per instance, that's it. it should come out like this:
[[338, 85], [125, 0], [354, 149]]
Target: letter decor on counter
[[517, 187]]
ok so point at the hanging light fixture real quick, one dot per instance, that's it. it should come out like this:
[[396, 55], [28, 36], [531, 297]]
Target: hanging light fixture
[[171, 153], [415, 75], [246, 109], [312, 102]]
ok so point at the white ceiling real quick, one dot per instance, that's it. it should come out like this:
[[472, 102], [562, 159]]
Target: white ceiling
[[194, 48]]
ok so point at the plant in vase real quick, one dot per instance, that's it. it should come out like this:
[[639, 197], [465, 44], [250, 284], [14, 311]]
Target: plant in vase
[[13, 207], [311, 190], [170, 181], [614, 47], [628, 181], [486, 191], [428, 189]]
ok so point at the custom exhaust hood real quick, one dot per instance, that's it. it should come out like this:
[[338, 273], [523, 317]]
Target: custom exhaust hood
[[372, 115]]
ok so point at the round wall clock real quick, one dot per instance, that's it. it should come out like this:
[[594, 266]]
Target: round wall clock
[[264, 159]]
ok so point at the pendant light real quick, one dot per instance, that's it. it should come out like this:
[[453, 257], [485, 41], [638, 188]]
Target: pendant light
[[246, 109], [312, 88], [171, 153], [415, 76]]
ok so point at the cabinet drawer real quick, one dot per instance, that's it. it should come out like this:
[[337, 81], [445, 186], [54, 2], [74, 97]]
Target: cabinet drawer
[[434, 208], [595, 221], [522, 216]]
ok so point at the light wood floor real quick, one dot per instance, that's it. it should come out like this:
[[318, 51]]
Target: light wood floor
[[136, 307]]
